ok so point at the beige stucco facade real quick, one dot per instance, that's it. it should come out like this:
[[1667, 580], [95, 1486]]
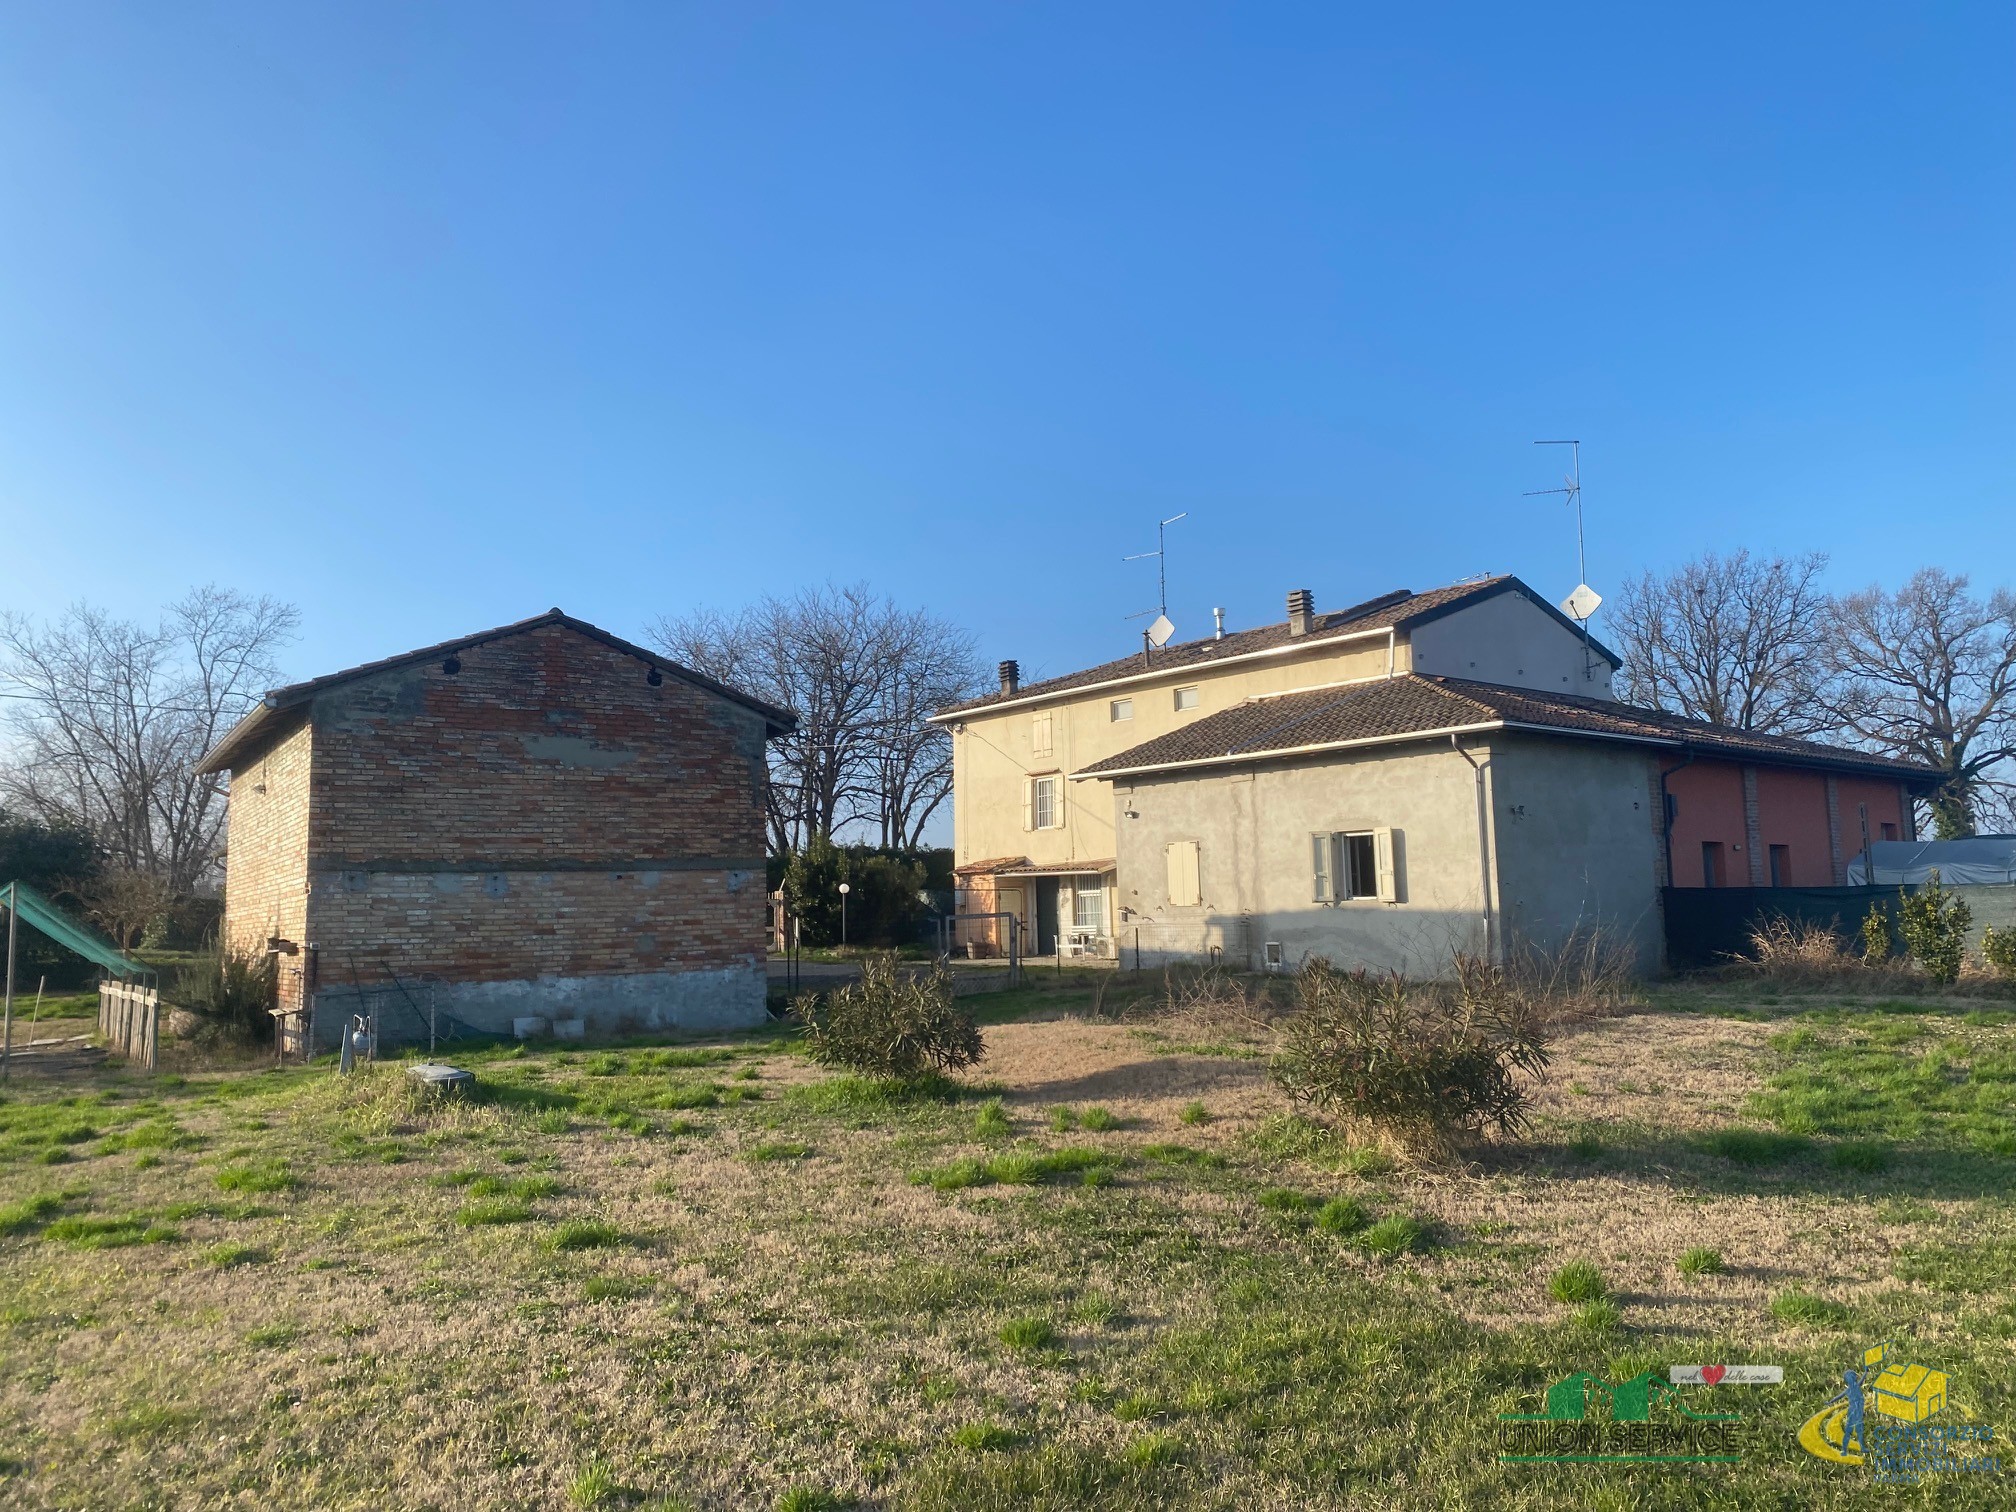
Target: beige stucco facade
[[1013, 796]]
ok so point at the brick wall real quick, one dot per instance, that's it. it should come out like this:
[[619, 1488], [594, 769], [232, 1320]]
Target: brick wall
[[543, 815], [266, 848]]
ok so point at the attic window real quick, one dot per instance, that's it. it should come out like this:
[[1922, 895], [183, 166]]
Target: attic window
[[654, 677], [452, 665]]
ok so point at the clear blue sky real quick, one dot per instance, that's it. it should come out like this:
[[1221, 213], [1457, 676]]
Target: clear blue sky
[[427, 317]]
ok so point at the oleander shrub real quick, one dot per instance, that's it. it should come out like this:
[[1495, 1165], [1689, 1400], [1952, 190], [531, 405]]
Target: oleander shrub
[[892, 1023], [1934, 923]]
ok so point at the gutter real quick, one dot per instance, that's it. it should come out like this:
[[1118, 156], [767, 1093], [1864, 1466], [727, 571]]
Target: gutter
[[1331, 745]]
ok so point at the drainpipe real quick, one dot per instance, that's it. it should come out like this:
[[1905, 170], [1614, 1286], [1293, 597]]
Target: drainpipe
[[1666, 806], [1483, 840], [1389, 651]]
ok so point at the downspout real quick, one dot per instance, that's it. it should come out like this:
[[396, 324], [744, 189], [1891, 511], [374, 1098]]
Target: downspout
[[1666, 814], [1389, 651], [1478, 770]]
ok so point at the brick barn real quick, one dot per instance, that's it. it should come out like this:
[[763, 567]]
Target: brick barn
[[538, 820]]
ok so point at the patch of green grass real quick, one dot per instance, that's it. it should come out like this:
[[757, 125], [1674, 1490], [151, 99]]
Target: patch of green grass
[[258, 1176], [1392, 1235], [1577, 1281], [273, 1335], [1753, 1147], [1600, 1316], [231, 1254], [1028, 1334], [1287, 1203], [1586, 1146], [1098, 1120], [779, 1149], [1987, 1265], [109, 1233], [1020, 1168], [29, 1213], [493, 1210], [552, 1121], [1701, 1261], [1802, 1307], [1195, 1113], [984, 1436], [955, 1175], [1153, 1448], [1063, 1120], [613, 1288], [991, 1122], [1179, 1154], [1342, 1215], [872, 1098], [594, 1485], [586, 1233], [809, 1499], [1864, 1156]]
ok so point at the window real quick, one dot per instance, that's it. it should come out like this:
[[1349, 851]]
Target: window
[[1039, 735], [1119, 709], [1711, 863], [1353, 864], [1186, 698], [1043, 806], [1184, 891], [1889, 832], [1088, 909], [1781, 866]]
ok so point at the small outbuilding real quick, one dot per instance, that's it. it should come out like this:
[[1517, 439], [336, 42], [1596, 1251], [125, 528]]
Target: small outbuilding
[[541, 820]]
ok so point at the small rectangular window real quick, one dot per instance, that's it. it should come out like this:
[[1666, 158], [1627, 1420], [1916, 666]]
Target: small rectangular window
[[1043, 803], [1119, 709], [1351, 865], [1889, 832], [1088, 909], [1361, 865], [1039, 735], [1711, 863], [1781, 866], [1186, 698]]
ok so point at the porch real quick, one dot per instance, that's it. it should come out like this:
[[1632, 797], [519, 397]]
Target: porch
[[1060, 910]]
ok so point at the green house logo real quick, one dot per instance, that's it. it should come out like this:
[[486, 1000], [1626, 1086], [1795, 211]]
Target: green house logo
[[1642, 1419]]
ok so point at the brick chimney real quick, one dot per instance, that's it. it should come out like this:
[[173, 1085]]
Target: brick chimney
[[1011, 676], [1301, 612]]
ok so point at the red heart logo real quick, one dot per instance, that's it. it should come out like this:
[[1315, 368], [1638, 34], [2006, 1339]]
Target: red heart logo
[[1712, 1374]]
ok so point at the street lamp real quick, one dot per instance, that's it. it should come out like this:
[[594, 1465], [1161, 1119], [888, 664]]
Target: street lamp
[[844, 890]]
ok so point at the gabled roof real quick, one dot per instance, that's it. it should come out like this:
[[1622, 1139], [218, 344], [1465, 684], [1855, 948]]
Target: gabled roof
[[1413, 706], [271, 710], [1398, 610]]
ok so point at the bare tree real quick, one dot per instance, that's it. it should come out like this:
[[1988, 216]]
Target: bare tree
[[1733, 639], [1929, 672], [112, 717], [861, 674]]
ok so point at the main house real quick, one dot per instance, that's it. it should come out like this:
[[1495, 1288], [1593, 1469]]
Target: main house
[[1413, 775], [538, 821]]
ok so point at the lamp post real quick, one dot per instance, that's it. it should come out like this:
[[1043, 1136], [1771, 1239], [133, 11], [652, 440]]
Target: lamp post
[[844, 890]]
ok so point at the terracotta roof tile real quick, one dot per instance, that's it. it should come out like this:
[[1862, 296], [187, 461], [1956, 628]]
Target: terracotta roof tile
[[1392, 610], [1395, 708]]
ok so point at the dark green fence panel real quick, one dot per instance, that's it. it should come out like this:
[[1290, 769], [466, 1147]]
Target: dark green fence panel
[[1707, 926]]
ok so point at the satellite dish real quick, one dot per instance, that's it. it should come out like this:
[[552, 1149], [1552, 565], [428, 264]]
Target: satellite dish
[[1582, 603], [1160, 631]]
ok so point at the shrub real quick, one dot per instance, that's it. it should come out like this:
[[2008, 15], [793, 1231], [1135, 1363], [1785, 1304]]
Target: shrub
[[1998, 952], [892, 1023], [1934, 924], [1799, 947], [1701, 1261], [229, 992], [1427, 1064], [1577, 1281], [1875, 937]]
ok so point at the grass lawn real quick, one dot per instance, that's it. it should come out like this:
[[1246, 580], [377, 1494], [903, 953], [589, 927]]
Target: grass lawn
[[1110, 1271]]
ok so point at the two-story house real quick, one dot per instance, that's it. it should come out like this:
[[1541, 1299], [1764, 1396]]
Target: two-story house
[[1382, 784]]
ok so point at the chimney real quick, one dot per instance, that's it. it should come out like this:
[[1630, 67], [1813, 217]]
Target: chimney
[[1218, 619], [1301, 612], [1011, 676]]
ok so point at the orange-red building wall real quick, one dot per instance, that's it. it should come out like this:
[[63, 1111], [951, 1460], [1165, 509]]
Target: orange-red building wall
[[1708, 805]]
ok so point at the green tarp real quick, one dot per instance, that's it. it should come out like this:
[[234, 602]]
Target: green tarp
[[38, 912]]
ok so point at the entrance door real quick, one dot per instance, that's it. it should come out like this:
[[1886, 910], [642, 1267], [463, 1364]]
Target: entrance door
[[1046, 916]]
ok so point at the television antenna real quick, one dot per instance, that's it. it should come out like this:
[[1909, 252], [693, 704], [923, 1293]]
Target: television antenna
[[1158, 633], [1584, 601]]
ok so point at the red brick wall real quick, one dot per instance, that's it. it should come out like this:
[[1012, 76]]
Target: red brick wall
[[1708, 805], [543, 811], [1790, 810]]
